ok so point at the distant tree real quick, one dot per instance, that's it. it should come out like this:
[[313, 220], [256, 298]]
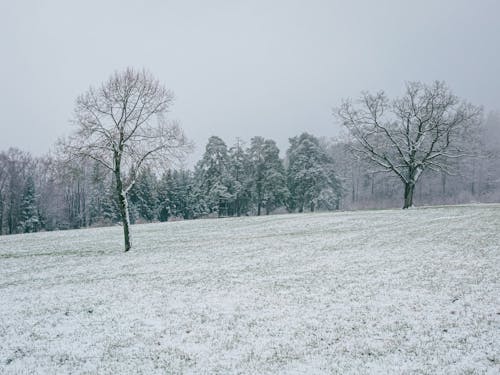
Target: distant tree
[[98, 198], [311, 177], [164, 192], [3, 187], [274, 185], [256, 156], [17, 166], [29, 219], [176, 195], [73, 183], [47, 192], [110, 210], [424, 129], [122, 126], [490, 168], [214, 179], [239, 168], [268, 178], [143, 195]]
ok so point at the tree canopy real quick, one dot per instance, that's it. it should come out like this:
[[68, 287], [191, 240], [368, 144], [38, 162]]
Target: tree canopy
[[424, 129]]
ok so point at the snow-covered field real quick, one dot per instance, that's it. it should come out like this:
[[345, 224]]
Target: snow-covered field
[[415, 291]]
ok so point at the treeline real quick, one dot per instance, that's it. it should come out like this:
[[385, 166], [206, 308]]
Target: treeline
[[50, 193]]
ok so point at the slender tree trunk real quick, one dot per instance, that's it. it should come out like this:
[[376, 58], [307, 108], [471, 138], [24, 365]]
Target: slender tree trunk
[[312, 206], [373, 184], [443, 184], [238, 209], [122, 198], [259, 197], [123, 205], [1, 214], [84, 207], [10, 218], [473, 180], [408, 198], [353, 199]]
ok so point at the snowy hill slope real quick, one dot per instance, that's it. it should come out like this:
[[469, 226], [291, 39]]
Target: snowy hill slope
[[415, 291]]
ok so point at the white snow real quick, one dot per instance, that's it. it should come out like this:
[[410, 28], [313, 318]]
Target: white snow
[[384, 292]]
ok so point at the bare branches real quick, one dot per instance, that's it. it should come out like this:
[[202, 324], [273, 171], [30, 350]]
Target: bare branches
[[424, 128], [125, 118], [121, 125], [426, 124]]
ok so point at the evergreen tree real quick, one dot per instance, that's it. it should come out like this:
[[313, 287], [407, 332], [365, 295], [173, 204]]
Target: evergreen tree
[[268, 176], [256, 157], [110, 209], [239, 168], [164, 199], [311, 177], [214, 178], [178, 196], [29, 219], [274, 187], [187, 206], [97, 199], [143, 196]]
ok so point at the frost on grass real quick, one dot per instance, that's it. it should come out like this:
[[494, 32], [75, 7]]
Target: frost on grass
[[360, 292]]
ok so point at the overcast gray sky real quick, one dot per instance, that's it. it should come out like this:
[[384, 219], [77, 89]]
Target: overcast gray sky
[[239, 68]]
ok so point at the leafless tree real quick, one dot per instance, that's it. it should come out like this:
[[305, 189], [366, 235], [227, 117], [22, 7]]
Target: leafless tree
[[424, 129], [3, 183], [15, 166], [122, 126]]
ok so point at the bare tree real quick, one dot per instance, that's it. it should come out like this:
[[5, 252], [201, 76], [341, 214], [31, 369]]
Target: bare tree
[[3, 183], [122, 126], [424, 129], [15, 167]]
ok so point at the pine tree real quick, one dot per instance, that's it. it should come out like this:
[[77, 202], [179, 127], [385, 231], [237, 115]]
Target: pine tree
[[239, 168], [274, 187], [268, 176], [98, 180], [164, 199], [214, 178], [311, 177], [257, 167], [143, 196], [29, 219], [109, 204], [187, 205]]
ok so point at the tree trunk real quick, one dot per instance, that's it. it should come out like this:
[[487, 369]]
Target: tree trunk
[[122, 200], [353, 199], [1, 214], [10, 218], [123, 205], [258, 208], [372, 178], [409, 189], [312, 206], [472, 185], [443, 184]]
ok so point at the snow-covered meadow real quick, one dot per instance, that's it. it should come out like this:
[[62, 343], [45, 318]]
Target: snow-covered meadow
[[393, 291]]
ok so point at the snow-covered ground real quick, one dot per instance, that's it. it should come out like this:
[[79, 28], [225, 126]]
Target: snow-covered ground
[[399, 292]]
